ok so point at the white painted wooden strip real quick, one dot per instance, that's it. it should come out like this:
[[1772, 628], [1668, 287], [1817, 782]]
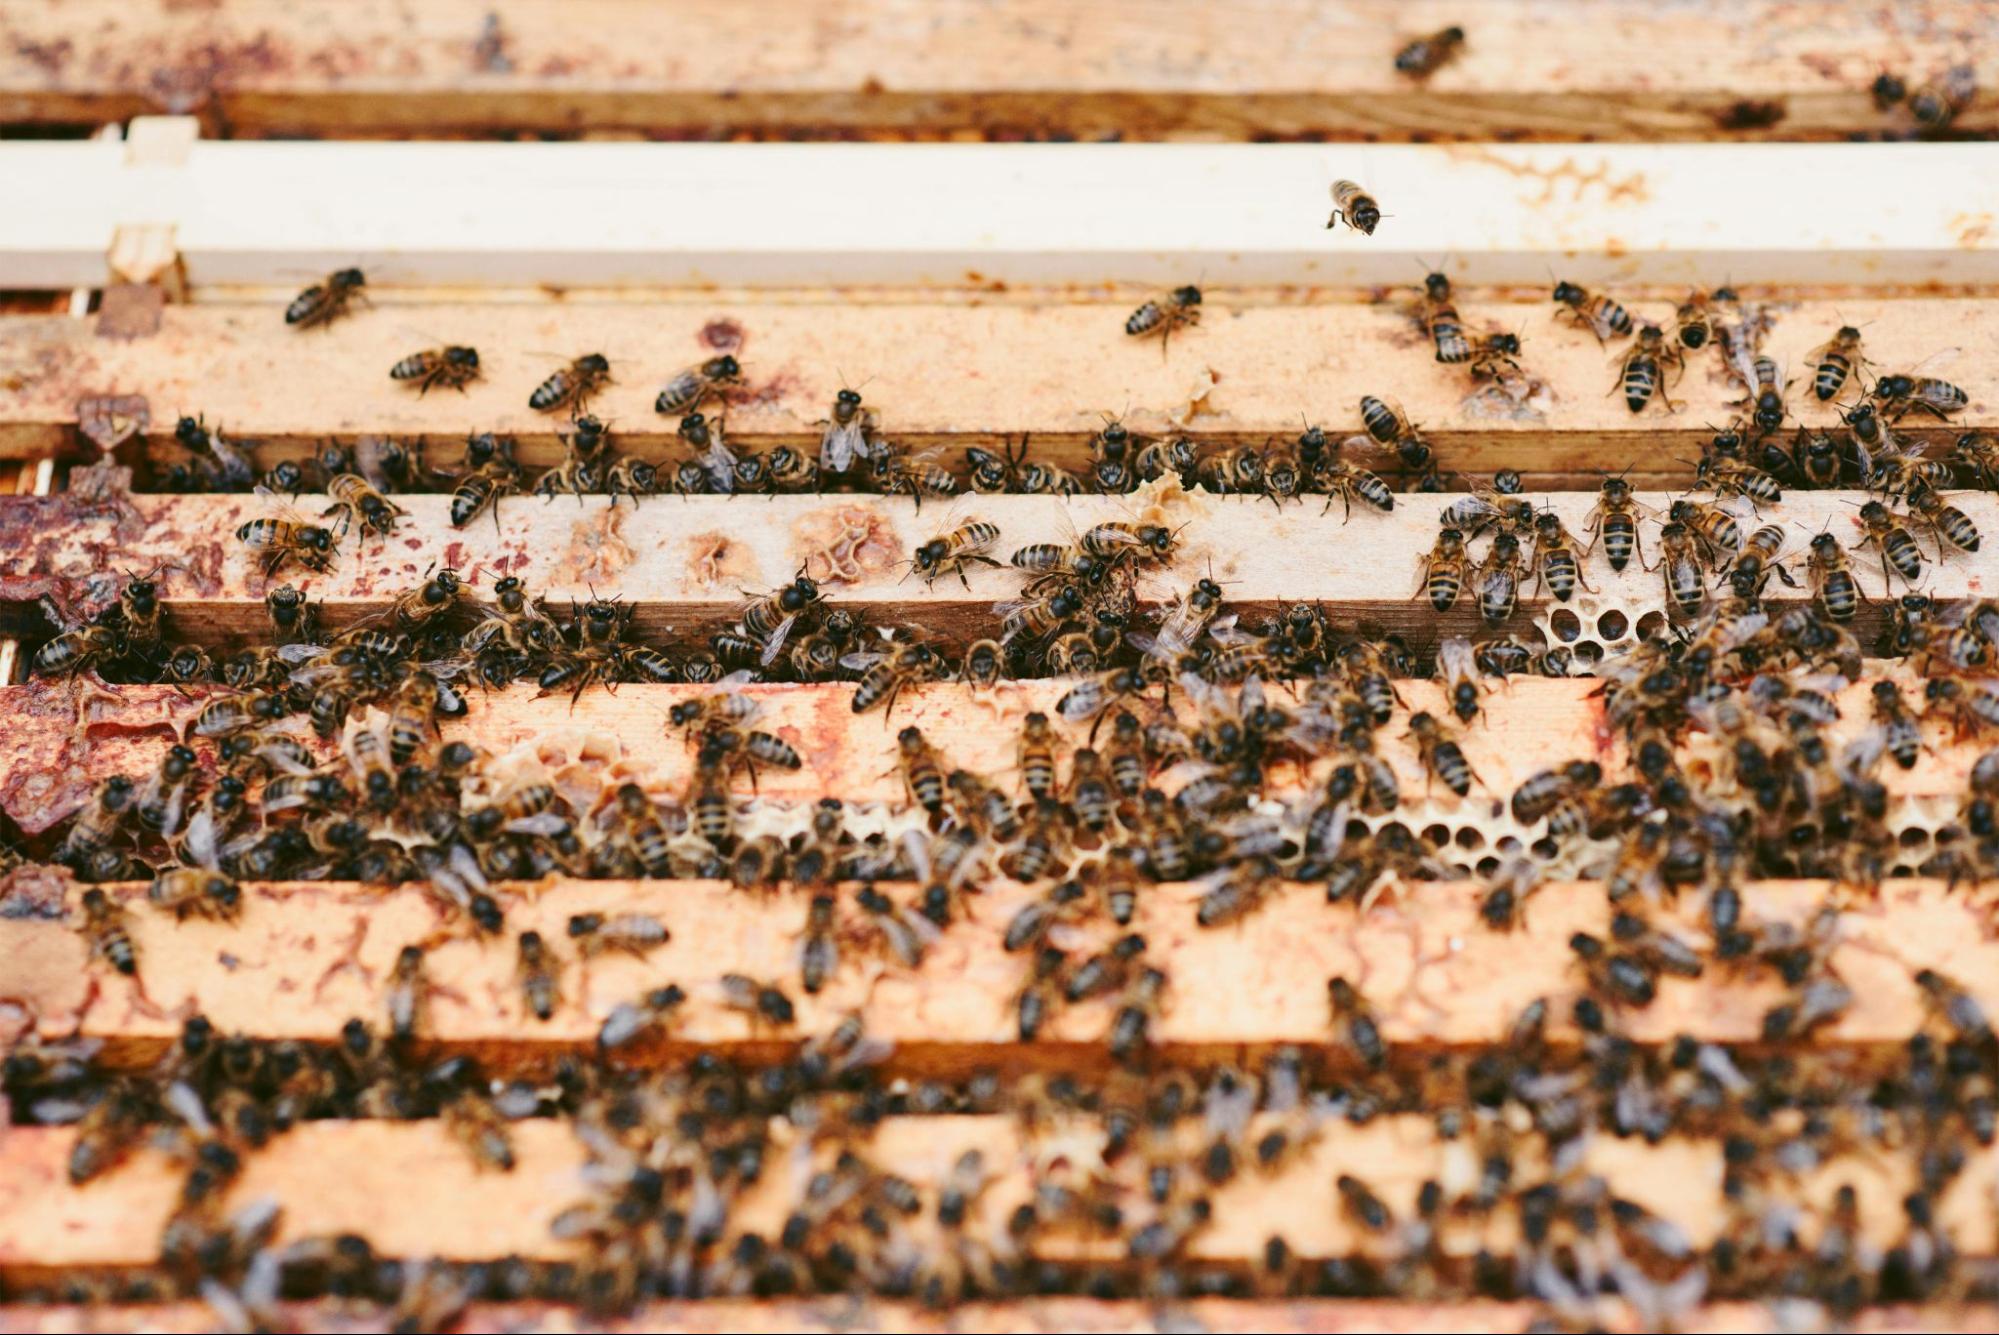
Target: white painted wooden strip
[[784, 214]]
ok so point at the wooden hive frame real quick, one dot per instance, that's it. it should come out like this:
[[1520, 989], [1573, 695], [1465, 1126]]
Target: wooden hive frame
[[976, 299]]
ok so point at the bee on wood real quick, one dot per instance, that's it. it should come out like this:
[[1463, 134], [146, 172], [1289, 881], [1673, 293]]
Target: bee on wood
[[1458, 670], [1897, 546], [1498, 579], [1424, 56], [1947, 522], [1355, 1020], [493, 474], [1440, 320], [1766, 396], [629, 1020], [1035, 754], [1440, 753], [104, 928], [688, 389], [1349, 482], [922, 769], [768, 618], [764, 1002], [287, 538], [1161, 315], [819, 945], [1978, 454], [984, 664], [1901, 735], [884, 675], [537, 969], [1384, 419], [1615, 522], [1936, 104], [1354, 207], [636, 934], [1090, 698], [1641, 371], [73, 651], [355, 501], [1834, 588], [326, 300], [845, 440], [195, 890], [1693, 322], [951, 552], [1445, 568], [1593, 311], [1732, 477], [1556, 559], [1686, 590], [453, 367], [1719, 535], [573, 386], [1834, 360], [1496, 357], [1898, 395]]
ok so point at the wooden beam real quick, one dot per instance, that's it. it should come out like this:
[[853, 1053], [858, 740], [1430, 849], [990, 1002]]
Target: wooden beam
[[1571, 71], [307, 956], [950, 375], [336, 1177], [686, 563], [1024, 1316], [569, 215]]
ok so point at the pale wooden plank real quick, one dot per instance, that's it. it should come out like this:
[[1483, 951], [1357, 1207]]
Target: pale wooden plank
[[950, 375], [1568, 70]]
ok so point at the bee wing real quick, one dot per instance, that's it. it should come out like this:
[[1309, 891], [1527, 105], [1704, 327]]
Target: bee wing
[[1455, 658], [840, 446], [1935, 362], [861, 660], [720, 463], [198, 842], [775, 645]]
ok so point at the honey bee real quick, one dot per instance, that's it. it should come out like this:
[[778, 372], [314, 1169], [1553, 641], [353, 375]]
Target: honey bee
[[1732, 477], [573, 386], [536, 967], [104, 927], [983, 665], [1424, 56], [1898, 395], [1498, 578], [1440, 753], [1615, 522], [1686, 591], [1767, 396], [195, 890], [1947, 522], [629, 1020], [762, 1001], [162, 800], [952, 552], [1354, 207], [1641, 371], [1555, 559], [845, 440], [1694, 321], [74, 651], [1444, 570], [688, 389], [1037, 617], [326, 300], [819, 946], [884, 675], [1715, 529], [1359, 1030], [1035, 754], [1165, 313], [1900, 734], [453, 366], [1593, 311], [354, 500], [1496, 357], [1234, 471], [1834, 360], [277, 540], [1440, 320], [1936, 103], [1131, 1025], [1350, 482], [493, 474], [1092, 696], [636, 934], [1457, 669], [1833, 585], [1384, 419], [1978, 454], [1897, 546], [769, 617]]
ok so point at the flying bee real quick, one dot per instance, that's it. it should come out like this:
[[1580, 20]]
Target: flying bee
[[1498, 578], [1898, 395], [1424, 56], [1556, 560], [1458, 670], [573, 386], [1641, 370], [1445, 569], [1947, 522], [636, 934], [326, 300], [1694, 321], [198, 891], [1440, 753], [951, 552], [1161, 315], [1350, 482], [453, 367], [1354, 207], [1594, 311], [277, 540], [845, 439], [1833, 361], [1441, 322], [104, 927], [1833, 585], [1615, 521], [1885, 531], [688, 389], [1685, 588], [354, 500]]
